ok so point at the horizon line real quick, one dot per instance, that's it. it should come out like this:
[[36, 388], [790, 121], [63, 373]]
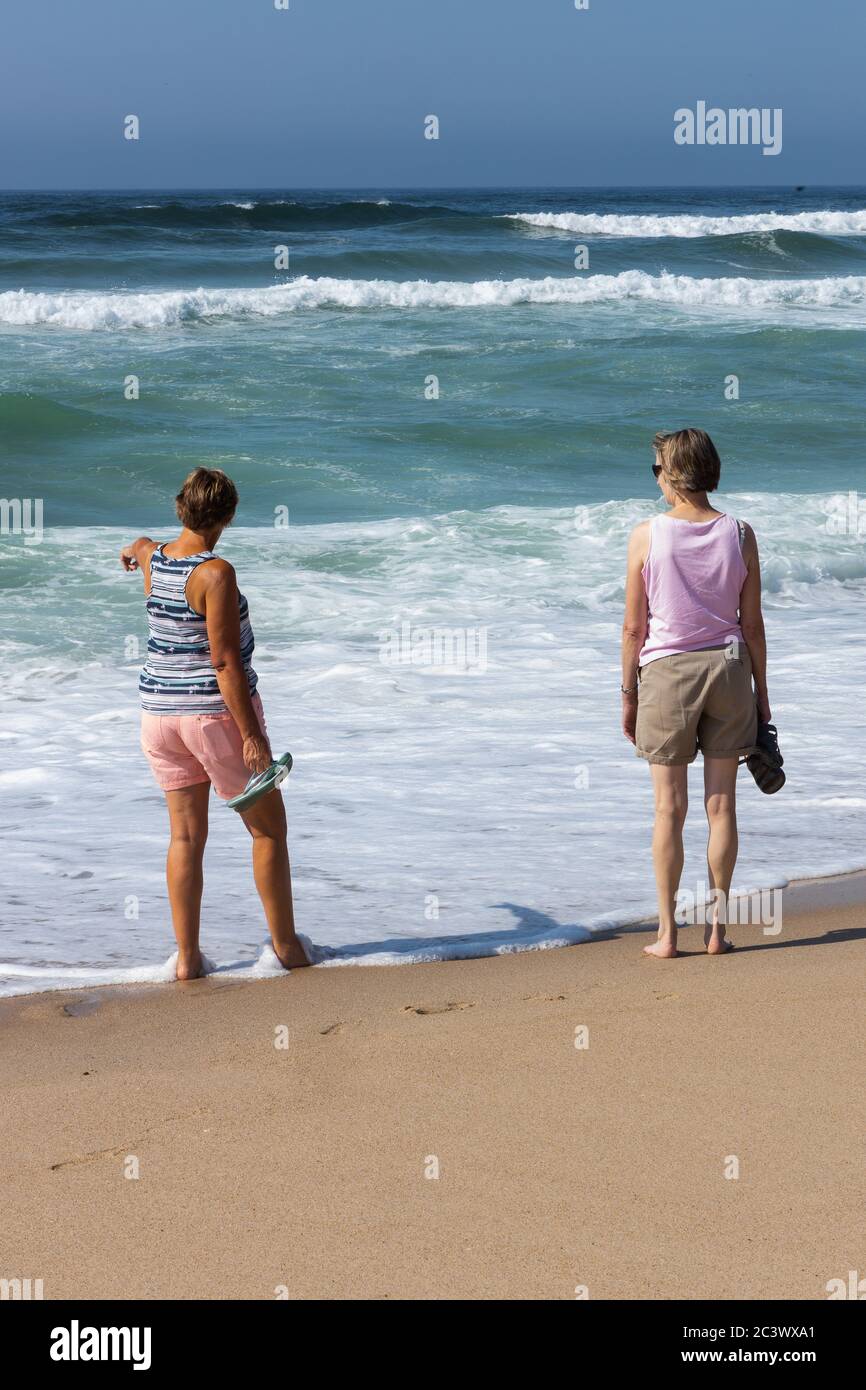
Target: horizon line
[[427, 188]]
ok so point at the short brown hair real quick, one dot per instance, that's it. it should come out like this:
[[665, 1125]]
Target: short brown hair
[[690, 460], [208, 498]]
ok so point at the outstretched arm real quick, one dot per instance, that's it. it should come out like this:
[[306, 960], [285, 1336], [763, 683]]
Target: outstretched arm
[[132, 557], [136, 556]]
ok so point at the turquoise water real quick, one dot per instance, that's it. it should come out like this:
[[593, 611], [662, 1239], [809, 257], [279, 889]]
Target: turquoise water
[[320, 405], [503, 505]]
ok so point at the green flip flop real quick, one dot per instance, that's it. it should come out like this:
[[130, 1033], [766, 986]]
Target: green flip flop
[[261, 783]]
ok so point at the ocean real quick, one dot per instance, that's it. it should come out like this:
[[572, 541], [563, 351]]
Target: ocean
[[438, 408]]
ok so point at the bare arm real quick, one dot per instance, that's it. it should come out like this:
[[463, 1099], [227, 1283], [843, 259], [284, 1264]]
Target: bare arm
[[137, 556], [213, 591], [634, 627], [752, 622]]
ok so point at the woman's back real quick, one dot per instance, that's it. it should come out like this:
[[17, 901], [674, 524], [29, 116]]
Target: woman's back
[[694, 572], [178, 675]]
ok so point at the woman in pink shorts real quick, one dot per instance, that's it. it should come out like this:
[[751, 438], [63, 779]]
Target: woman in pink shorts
[[202, 721]]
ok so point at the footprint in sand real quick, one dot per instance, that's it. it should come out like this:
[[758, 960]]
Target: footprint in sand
[[436, 1008], [80, 1008]]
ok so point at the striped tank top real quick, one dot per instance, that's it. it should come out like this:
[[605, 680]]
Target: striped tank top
[[178, 676]]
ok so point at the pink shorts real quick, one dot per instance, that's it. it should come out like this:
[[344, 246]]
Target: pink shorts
[[186, 749]]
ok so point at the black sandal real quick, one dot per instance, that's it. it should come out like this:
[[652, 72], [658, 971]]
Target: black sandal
[[765, 761]]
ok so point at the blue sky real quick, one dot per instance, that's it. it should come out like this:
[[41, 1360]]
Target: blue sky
[[333, 93]]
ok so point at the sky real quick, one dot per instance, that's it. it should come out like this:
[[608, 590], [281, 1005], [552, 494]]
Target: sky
[[334, 93]]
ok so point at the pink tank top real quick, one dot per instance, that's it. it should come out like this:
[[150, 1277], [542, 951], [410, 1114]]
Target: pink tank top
[[693, 575]]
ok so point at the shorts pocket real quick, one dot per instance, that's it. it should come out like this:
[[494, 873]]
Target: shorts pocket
[[221, 752], [151, 733], [647, 686], [738, 674], [220, 737]]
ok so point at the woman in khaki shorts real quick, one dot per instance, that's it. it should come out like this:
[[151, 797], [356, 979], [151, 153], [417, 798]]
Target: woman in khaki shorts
[[693, 643]]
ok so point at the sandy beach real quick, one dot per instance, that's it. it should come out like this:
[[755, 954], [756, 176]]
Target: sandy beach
[[311, 1167]]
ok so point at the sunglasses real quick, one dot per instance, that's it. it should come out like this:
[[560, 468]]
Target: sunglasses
[[656, 468]]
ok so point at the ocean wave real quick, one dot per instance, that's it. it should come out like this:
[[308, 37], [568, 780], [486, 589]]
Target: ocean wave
[[89, 310], [824, 222], [808, 541], [240, 213], [27, 417]]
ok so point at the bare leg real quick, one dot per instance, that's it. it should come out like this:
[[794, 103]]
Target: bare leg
[[266, 822], [187, 813], [670, 785], [720, 800]]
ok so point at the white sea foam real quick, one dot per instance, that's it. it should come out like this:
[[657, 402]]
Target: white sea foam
[[25, 777], [93, 310], [824, 222], [432, 816]]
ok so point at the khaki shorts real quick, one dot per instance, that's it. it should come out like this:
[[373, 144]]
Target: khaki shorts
[[696, 700]]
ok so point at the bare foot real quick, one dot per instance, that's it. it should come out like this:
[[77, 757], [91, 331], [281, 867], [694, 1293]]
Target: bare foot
[[190, 967], [718, 946], [291, 954], [663, 950]]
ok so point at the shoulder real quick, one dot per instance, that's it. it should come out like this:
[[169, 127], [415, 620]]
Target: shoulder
[[213, 582], [217, 574], [212, 587]]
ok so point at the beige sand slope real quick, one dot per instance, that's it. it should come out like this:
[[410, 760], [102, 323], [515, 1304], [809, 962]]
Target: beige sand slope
[[305, 1166]]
